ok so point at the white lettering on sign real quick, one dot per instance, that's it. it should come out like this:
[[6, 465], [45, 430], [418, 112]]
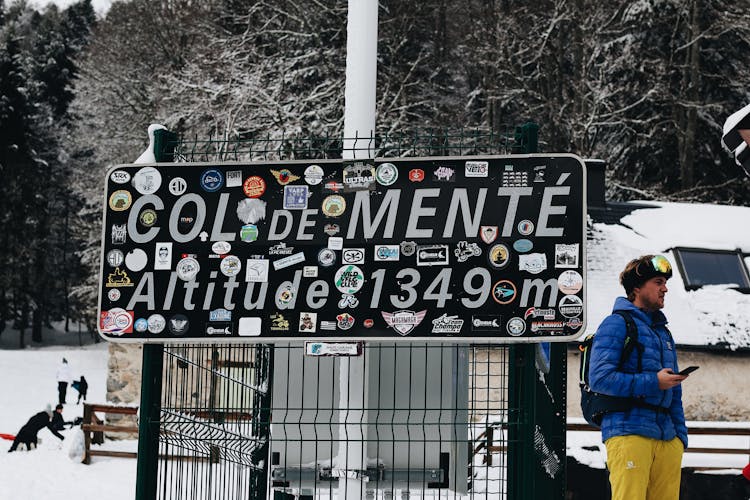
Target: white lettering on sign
[[361, 208]]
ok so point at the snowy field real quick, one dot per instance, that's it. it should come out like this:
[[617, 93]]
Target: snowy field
[[28, 385]]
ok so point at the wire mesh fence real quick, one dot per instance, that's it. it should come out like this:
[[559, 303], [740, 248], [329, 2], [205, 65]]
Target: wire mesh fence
[[424, 421], [419, 143], [432, 424], [214, 421]]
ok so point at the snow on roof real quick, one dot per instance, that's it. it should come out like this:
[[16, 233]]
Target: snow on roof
[[714, 316]]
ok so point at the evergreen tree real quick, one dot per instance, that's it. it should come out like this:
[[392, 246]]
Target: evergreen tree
[[36, 75]]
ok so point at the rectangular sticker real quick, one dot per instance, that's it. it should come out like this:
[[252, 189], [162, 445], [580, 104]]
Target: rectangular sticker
[[333, 348], [482, 323], [386, 252], [256, 270], [295, 197], [432, 255], [163, 256], [249, 327], [336, 243], [477, 169], [234, 178], [289, 261], [566, 255], [353, 256], [308, 322]]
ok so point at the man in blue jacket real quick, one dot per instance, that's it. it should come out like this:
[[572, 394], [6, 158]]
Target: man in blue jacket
[[644, 444]]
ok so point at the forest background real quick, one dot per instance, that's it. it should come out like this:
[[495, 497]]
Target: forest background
[[644, 85]]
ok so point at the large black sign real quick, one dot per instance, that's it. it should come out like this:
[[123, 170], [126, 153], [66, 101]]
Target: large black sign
[[475, 248]]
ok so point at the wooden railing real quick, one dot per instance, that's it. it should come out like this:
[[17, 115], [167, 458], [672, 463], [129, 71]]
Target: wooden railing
[[92, 424], [485, 441]]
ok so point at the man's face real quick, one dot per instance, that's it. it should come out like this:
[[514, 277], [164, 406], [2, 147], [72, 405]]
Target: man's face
[[650, 295]]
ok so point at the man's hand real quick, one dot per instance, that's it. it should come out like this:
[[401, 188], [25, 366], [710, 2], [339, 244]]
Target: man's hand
[[668, 379]]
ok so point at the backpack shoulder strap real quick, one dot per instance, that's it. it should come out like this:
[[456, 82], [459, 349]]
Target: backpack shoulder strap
[[631, 340]]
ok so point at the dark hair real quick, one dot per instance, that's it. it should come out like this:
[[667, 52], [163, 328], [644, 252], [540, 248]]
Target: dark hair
[[637, 272], [59, 407]]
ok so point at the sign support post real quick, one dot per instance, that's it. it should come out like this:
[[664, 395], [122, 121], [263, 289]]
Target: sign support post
[[359, 136]]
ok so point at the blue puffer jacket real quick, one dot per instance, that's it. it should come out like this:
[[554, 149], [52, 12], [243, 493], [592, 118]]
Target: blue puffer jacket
[[659, 352]]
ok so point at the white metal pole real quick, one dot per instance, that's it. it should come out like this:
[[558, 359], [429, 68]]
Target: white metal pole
[[361, 74], [359, 132]]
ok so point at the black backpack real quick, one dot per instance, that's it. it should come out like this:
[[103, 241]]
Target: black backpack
[[595, 405]]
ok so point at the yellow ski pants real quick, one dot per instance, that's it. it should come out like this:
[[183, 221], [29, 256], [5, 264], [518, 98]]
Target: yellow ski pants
[[642, 468]]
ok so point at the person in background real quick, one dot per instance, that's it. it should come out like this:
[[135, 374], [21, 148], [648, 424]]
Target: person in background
[[645, 443], [28, 433], [82, 387], [63, 377], [57, 419]]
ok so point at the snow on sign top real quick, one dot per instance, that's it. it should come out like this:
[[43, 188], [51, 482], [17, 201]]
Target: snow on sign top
[[476, 249]]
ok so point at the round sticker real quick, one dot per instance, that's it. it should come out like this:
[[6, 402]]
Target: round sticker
[[504, 292], [570, 282], [120, 177], [186, 220], [526, 227], [156, 323], [570, 306], [499, 255], [369, 323], [515, 327], [327, 257], [141, 325], [334, 205], [254, 186], [284, 296], [416, 175], [230, 265], [147, 217], [349, 279], [136, 260], [249, 233], [313, 175], [221, 247], [147, 180], [386, 174], [408, 248], [113, 294], [522, 246], [178, 324], [115, 258], [120, 200], [177, 186], [212, 180], [187, 269]]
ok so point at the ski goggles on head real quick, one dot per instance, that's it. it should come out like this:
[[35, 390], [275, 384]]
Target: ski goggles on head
[[656, 265]]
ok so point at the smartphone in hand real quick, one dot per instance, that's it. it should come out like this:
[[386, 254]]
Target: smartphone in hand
[[688, 370]]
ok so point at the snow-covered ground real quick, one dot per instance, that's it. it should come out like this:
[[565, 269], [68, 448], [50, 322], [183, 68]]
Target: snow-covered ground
[[28, 385]]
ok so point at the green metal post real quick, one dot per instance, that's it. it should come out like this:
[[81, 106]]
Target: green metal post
[[151, 378], [521, 404], [526, 138], [530, 404], [148, 426]]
